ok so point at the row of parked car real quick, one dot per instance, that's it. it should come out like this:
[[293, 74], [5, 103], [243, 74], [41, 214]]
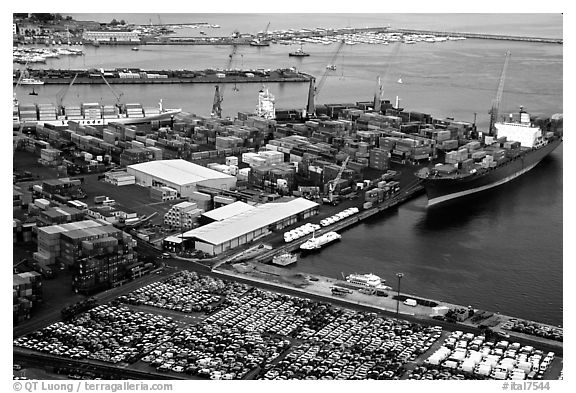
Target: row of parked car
[[535, 329], [475, 356], [339, 216], [308, 228], [106, 333], [355, 345], [185, 292], [299, 232], [215, 352]]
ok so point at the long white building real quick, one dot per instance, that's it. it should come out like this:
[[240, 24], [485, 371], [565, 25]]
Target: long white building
[[181, 175], [242, 228]]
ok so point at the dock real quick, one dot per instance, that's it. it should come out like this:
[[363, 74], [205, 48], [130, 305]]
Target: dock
[[137, 76], [481, 36]]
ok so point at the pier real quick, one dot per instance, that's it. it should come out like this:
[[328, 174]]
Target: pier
[[138, 77], [481, 36]]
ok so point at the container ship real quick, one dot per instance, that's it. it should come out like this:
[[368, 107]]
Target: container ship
[[517, 146], [93, 114], [316, 243]]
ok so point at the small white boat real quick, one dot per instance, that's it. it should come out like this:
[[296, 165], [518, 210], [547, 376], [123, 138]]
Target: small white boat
[[399, 81]]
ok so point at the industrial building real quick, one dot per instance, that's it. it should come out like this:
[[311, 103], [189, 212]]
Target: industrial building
[[225, 212], [249, 225], [181, 175]]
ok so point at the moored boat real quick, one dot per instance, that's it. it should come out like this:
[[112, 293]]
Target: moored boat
[[316, 243]]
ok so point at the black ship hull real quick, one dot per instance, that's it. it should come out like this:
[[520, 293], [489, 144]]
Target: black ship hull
[[442, 189]]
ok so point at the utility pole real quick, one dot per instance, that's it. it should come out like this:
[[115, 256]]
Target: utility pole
[[399, 275]]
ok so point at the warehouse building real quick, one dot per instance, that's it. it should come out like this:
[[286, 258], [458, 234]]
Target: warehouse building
[[225, 212], [249, 225], [181, 175]]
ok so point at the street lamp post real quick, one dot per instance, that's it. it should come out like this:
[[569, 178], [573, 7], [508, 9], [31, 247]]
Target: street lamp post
[[399, 275]]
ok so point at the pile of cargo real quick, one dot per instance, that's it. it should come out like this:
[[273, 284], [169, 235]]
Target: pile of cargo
[[134, 110], [92, 111], [27, 292], [27, 112], [46, 112], [109, 112]]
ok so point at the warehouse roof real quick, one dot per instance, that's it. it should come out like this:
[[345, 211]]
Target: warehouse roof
[[261, 216], [227, 211], [178, 172], [71, 226]]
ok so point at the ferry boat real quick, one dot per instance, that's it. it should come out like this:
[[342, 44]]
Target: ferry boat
[[316, 243], [367, 280], [523, 145]]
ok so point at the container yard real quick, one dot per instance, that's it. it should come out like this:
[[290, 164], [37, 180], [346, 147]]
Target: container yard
[[185, 246]]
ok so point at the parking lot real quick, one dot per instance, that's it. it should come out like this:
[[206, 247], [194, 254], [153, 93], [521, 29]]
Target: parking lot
[[198, 327]]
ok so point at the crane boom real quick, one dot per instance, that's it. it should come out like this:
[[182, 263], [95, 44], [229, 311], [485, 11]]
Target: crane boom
[[118, 97], [332, 184], [314, 89], [325, 75], [379, 94], [219, 93], [496, 102], [62, 93]]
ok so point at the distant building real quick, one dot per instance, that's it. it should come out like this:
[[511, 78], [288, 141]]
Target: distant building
[[111, 36], [181, 175], [111, 214], [28, 29]]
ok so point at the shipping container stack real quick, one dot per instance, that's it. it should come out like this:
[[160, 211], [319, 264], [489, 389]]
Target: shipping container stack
[[58, 215], [135, 156], [27, 112], [46, 112], [27, 294], [100, 262], [50, 157]]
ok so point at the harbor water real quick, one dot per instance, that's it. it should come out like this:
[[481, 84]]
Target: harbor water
[[500, 250]]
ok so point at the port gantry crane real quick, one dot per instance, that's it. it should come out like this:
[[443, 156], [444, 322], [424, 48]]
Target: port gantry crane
[[496, 102], [332, 184], [314, 89], [219, 95]]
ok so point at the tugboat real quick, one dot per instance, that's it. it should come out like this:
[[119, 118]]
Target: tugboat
[[33, 92], [299, 53]]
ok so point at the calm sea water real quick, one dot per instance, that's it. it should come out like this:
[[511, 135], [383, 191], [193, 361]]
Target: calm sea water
[[501, 250]]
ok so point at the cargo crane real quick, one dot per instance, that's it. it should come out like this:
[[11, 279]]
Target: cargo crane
[[219, 95], [379, 94], [62, 93], [314, 90], [118, 97], [496, 102], [332, 184]]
